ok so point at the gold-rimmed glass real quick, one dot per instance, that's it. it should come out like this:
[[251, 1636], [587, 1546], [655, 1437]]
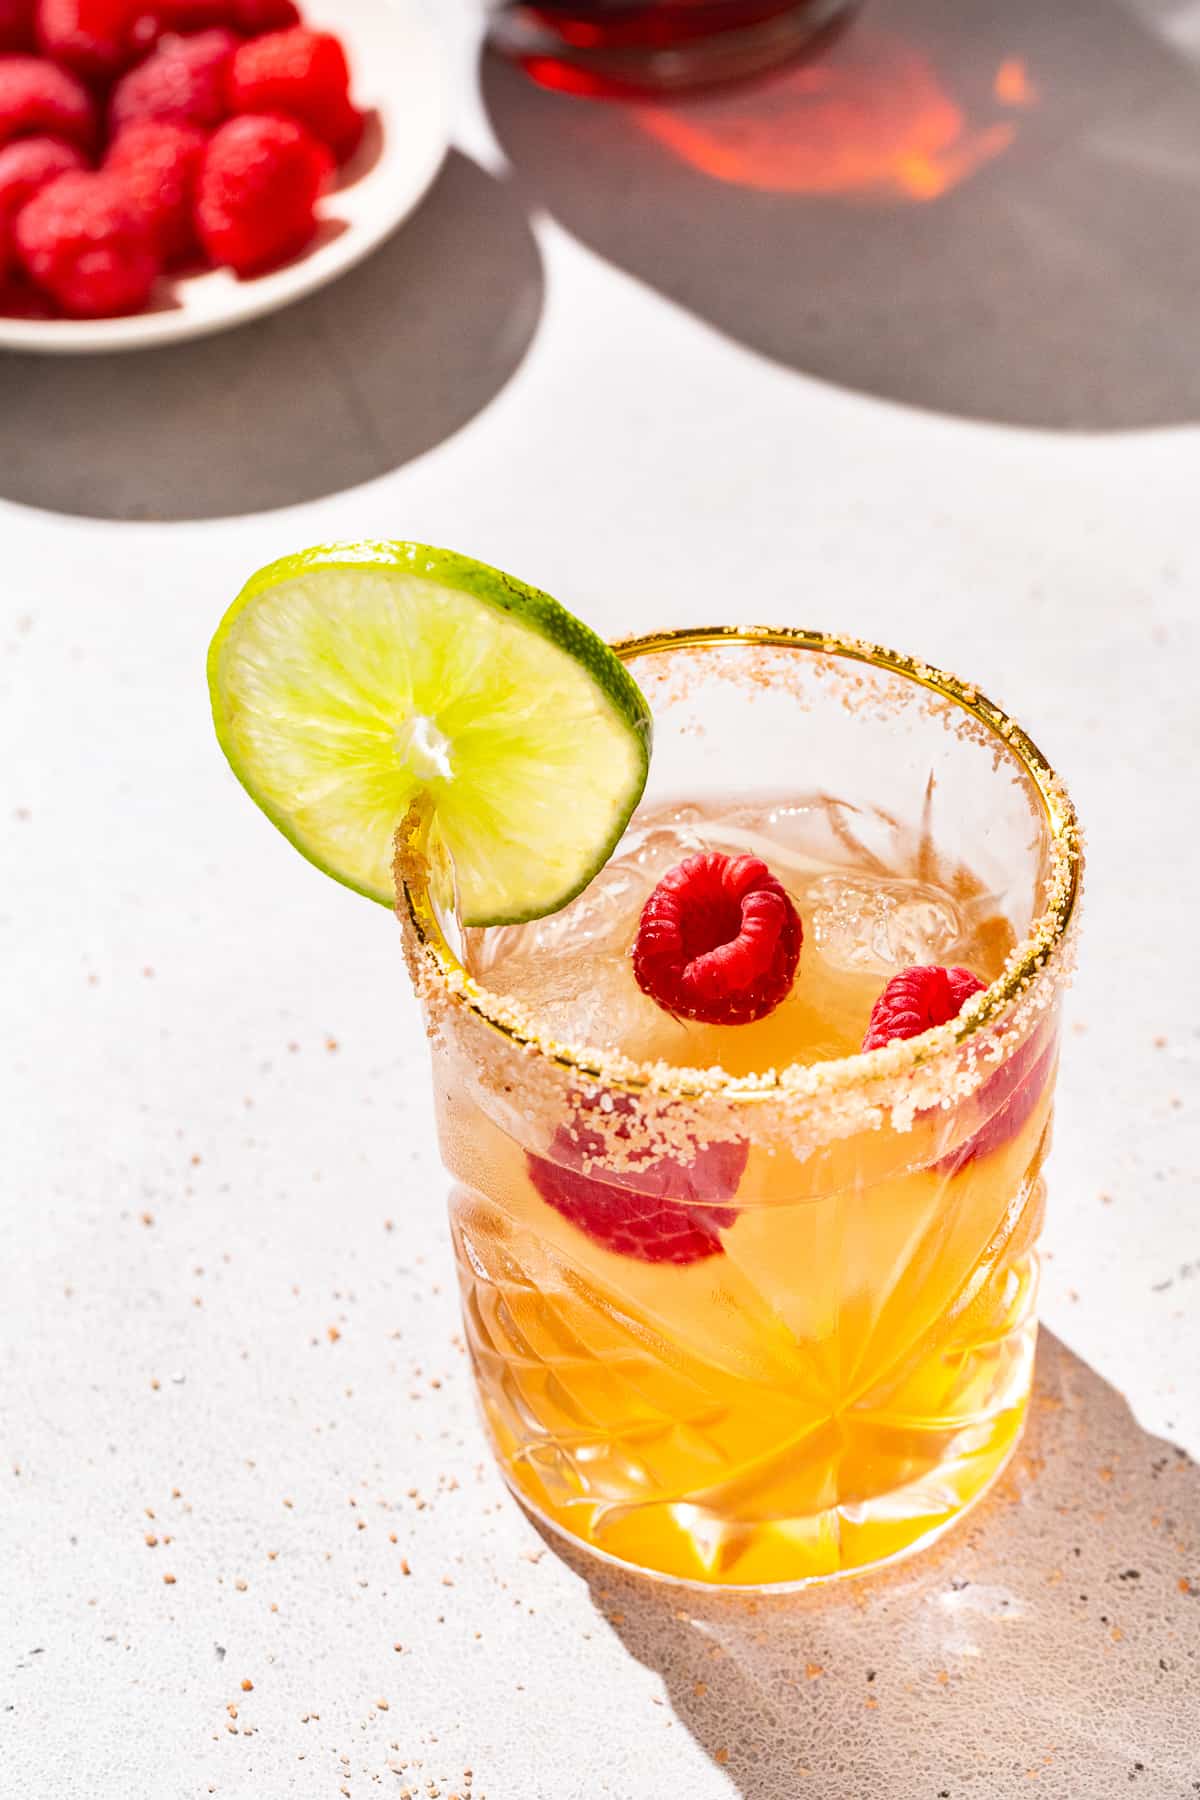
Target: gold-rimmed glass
[[851, 1369], [637, 48]]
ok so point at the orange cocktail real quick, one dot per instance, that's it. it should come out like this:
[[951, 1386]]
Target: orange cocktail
[[746, 1305]]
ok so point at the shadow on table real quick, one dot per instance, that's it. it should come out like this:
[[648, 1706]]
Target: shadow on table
[[984, 210], [1054, 1637], [377, 368]]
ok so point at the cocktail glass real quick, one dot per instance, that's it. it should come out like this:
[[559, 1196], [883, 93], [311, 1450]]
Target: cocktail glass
[[643, 47], [846, 1365]]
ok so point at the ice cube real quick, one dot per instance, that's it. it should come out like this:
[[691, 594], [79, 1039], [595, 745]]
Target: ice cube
[[582, 991], [878, 924], [653, 852]]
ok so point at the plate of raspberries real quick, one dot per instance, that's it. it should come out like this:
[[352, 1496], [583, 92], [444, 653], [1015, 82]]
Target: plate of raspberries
[[169, 168]]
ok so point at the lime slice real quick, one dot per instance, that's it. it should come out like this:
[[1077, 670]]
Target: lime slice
[[349, 681]]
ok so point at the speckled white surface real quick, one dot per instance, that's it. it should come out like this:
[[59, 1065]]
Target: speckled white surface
[[230, 1348]]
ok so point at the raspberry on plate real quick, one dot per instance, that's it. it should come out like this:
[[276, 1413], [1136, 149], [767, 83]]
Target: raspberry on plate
[[156, 19], [37, 98], [304, 74], [27, 166], [718, 940], [253, 17], [189, 15], [92, 38], [664, 1209], [259, 183], [20, 300], [16, 25], [158, 164], [85, 244], [183, 81]]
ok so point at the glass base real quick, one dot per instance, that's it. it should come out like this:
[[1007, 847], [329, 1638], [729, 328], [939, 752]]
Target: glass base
[[631, 61], [923, 1538], [668, 1453]]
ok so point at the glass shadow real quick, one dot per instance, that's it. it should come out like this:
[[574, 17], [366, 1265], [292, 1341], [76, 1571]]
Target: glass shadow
[[1049, 1644], [374, 370], [986, 211]]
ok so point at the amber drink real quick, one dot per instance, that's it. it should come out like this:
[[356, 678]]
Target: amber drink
[[746, 1305]]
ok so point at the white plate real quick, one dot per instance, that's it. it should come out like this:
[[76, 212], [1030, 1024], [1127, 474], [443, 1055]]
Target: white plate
[[399, 76]]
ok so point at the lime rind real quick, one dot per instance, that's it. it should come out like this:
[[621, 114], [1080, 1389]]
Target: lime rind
[[350, 680]]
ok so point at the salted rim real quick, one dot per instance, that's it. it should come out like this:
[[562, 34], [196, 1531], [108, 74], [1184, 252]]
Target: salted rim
[[519, 1025]]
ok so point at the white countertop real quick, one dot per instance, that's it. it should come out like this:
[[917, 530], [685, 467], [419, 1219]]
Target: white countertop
[[226, 1301]]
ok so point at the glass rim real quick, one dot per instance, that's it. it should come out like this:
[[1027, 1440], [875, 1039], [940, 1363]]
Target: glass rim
[[1028, 962]]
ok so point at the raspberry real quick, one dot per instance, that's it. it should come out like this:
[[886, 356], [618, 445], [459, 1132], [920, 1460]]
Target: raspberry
[[192, 15], [250, 18], [26, 167], [83, 242], [16, 25], [302, 73], [253, 17], [259, 182], [916, 1000], [158, 165], [718, 940], [93, 38], [662, 1210], [921, 997], [20, 301], [37, 98], [183, 82], [1008, 1099]]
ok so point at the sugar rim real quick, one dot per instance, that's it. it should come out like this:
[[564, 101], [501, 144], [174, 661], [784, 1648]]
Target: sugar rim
[[1031, 958]]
